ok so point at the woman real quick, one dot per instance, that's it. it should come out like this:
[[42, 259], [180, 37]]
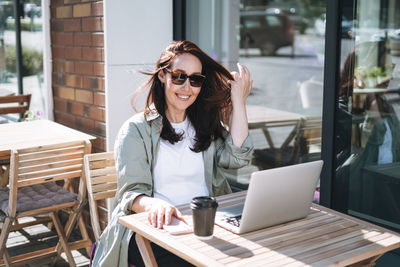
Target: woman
[[178, 148]]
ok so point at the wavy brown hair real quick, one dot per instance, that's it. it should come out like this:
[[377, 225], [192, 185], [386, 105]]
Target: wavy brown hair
[[212, 106]]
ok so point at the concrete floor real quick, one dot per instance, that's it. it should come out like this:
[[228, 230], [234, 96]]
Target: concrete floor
[[39, 237]]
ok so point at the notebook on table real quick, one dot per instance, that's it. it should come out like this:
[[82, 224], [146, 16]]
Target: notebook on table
[[274, 196]]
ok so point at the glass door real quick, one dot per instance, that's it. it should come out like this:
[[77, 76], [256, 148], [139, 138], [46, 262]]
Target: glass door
[[367, 178], [30, 30]]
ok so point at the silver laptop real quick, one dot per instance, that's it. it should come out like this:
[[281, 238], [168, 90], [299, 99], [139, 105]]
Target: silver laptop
[[274, 196]]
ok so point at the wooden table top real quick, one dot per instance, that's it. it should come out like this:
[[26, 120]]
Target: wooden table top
[[6, 92], [261, 115], [34, 133], [324, 238]]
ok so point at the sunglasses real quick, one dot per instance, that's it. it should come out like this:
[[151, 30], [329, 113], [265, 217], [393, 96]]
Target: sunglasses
[[179, 78]]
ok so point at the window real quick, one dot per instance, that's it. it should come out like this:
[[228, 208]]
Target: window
[[281, 46], [31, 48], [366, 182]]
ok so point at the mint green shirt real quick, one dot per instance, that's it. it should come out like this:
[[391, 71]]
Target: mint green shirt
[[135, 151]]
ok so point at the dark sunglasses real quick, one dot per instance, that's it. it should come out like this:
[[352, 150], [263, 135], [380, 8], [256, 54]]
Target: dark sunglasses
[[179, 78]]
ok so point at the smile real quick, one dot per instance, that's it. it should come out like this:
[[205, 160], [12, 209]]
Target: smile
[[182, 96]]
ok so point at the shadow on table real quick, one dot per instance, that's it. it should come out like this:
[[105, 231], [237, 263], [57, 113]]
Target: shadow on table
[[229, 248]]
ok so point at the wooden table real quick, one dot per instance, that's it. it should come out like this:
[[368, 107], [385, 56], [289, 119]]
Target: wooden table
[[33, 133], [266, 118], [6, 92], [324, 238]]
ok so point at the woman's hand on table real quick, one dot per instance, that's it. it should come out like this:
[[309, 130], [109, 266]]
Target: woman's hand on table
[[159, 211]]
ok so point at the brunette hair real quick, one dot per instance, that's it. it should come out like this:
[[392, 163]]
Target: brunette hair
[[212, 106]]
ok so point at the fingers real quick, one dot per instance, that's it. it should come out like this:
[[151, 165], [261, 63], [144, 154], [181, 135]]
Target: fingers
[[152, 217], [160, 217], [168, 214], [179, 215], [161, 213]]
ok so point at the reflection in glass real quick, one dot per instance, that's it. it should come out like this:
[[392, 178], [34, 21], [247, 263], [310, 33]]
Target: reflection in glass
[[367, 182], [278, 42], [32, 54], [8, 81]]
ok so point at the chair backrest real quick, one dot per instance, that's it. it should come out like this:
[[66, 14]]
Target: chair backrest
[[311, 93], [44, 164], [101, 178], [14, 104], [308, 140]]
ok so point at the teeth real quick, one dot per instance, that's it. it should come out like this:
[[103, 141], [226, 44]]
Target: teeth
[[183, 96]]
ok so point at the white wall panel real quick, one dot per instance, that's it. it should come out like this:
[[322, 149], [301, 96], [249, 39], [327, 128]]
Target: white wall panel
[[135, 33]]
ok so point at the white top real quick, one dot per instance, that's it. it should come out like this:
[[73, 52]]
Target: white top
[[178, 171], [385, 154]]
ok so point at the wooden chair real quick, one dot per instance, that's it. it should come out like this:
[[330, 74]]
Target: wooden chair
[[101, 177], [308, 140], [14, 104], [41, 182]]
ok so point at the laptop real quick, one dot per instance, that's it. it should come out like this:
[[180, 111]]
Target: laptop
[[274, 196]]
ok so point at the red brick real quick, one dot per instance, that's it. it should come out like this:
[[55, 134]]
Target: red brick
[[69, 67], [85, 68], [64, 92], [92, 54], [98, 69], [64, 118], [73, 53], [53, 12], [99, 128], [75, 108], [93, 83], [58, 78], [58, 52], [71, 1], [101, 83], [57, 3], [85, 125], [58, 66], [63, 39], [72, 25], [84, 96], [97, 9], [73, 81], [98, 39], [92, 24], [57, 25], [99, 99], [99, 144], [97, 114], [60, 105], [83, 10], [63, 12], [82, 39]]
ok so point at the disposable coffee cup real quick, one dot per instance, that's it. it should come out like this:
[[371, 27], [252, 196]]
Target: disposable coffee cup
[[203, 211]]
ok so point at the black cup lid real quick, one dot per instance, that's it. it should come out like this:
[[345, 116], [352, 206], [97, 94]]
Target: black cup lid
[[203, 202]]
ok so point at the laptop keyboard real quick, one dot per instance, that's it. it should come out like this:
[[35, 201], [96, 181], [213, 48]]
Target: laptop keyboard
[[234, 220]]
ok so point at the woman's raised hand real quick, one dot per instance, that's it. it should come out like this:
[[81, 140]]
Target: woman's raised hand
[[241, 85]]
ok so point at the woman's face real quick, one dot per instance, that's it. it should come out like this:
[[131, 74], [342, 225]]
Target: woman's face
[[180, 97]]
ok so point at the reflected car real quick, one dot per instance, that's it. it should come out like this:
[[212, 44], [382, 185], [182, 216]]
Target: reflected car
[[294, 12], [266, 31], [347, 26]]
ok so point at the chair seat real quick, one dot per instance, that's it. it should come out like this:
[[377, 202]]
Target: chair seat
[[37, 196]]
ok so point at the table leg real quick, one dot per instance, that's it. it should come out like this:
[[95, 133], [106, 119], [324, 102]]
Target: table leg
[[146, 251], [367, 262], [4, 175]]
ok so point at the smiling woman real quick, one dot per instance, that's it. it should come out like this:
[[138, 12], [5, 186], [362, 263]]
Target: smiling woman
[[179, 147]]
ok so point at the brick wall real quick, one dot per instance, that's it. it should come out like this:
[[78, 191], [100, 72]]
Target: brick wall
[[77, 43]]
